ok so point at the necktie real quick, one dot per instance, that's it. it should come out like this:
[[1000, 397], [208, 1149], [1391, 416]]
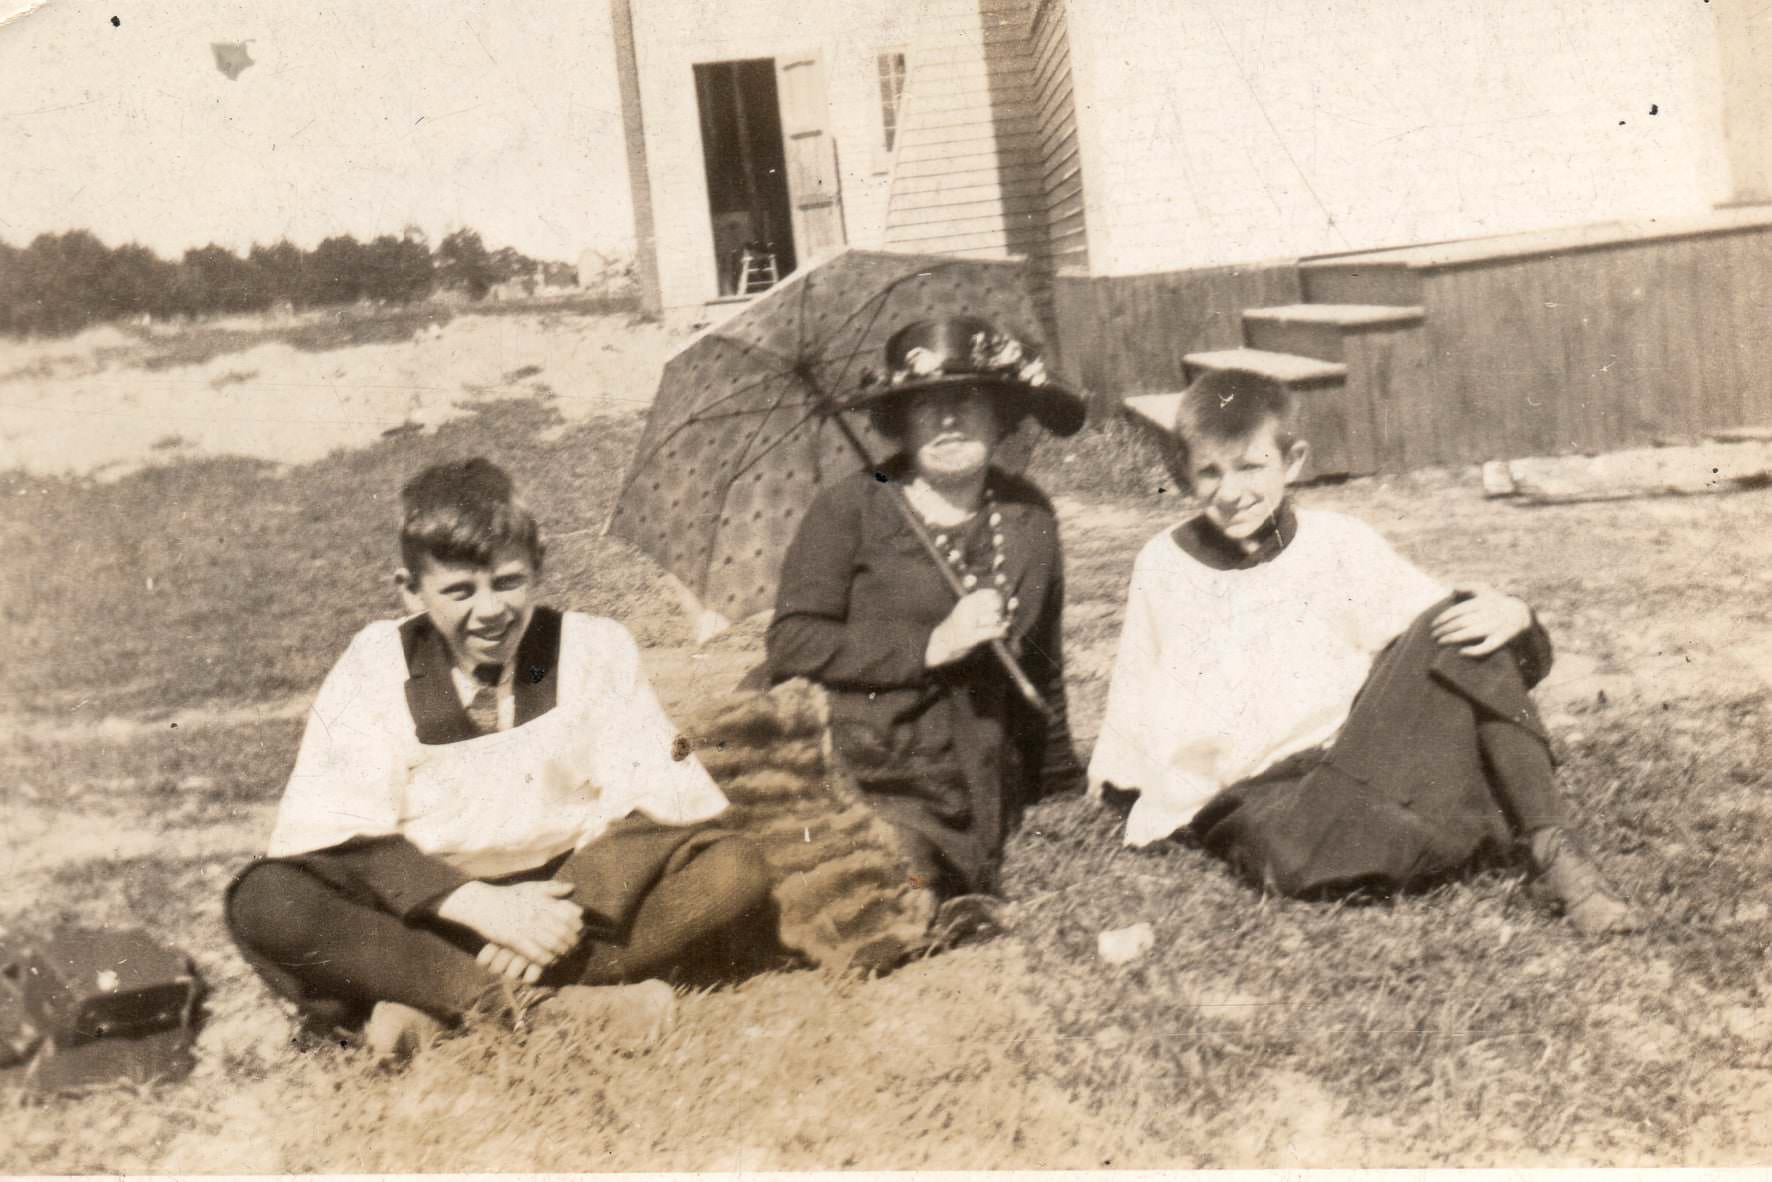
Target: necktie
[[483, 710]]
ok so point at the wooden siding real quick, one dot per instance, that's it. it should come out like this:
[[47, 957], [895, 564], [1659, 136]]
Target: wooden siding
[[967, 174], [1129, 334], [1061, 172], [1592, 348], [1595, 350]]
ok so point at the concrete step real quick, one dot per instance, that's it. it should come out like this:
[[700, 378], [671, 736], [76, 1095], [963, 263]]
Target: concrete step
[[1317, 330], [1335, 281], [1287, 368]]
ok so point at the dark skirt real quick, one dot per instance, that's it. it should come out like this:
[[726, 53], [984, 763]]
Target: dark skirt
[[937, 763], [1442, 760]]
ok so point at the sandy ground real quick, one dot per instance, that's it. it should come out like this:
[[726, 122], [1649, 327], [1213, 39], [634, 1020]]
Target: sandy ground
[[85, 405]]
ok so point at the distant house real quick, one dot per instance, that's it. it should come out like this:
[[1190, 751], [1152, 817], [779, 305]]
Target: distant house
[[1175, 164]]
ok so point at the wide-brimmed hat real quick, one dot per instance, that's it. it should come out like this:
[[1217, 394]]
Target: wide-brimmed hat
[[966, 350]]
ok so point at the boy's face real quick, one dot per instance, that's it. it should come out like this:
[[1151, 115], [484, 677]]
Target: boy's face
[[481, 611], [1241, 482]]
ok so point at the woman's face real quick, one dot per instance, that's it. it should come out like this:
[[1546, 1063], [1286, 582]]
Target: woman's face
[[950, 432]]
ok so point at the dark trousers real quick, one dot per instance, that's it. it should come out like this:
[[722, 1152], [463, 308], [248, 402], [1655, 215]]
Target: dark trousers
[[655, 899], [1442, 760]]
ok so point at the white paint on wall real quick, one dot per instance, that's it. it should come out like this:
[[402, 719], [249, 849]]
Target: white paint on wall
[[1221, 131]]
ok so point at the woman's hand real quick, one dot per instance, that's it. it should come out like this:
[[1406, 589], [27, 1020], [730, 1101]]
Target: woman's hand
[[1483, 622], [534, 920], [977, 619]]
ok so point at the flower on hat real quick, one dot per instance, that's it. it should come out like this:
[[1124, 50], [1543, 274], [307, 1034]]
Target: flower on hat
[[918, 363], [1032, 372], [997, 350]]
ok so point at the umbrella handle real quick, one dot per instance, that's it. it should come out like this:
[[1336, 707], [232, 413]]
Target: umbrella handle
[[998, 649]]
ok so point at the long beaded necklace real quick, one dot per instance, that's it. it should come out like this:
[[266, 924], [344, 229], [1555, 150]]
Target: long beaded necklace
[[952, 545]]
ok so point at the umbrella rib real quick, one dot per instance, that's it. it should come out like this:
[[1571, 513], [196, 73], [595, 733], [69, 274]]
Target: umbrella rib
[[763, 452], [671, 433], [785, 368]]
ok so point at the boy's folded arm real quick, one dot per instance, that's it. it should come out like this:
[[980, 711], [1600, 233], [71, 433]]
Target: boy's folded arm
[[404, 879], [537, 921], [1168, 806], [345, 787], [1133, 720]]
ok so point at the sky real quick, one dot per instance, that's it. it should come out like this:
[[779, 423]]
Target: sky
[[357, 116]]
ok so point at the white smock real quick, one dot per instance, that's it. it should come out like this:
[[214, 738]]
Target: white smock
[[1221, 674], [501, 802]]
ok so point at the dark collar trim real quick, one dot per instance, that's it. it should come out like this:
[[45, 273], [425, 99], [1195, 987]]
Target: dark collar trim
[[1200, 540], [438, 716]]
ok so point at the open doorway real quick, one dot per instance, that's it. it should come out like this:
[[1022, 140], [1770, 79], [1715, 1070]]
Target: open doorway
[[748, 200]]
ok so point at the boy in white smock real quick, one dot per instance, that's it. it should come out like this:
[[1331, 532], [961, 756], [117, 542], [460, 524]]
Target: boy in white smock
[[485, 812], [1313, 708]]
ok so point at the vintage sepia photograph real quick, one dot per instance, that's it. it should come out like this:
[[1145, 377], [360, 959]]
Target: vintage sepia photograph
[[779, 585]]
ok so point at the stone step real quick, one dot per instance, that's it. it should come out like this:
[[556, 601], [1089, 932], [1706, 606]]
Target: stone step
[[1154, 412], [1290, 369], [1317, 330], [1333, 281]]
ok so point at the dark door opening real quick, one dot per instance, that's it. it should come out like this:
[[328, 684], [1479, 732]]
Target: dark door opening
[[741, 143]]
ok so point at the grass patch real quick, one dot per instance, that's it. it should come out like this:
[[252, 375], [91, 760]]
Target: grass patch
[[1109, 457], [223, 580]]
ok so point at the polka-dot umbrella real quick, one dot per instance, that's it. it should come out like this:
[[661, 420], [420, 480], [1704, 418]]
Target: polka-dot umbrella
[[745, 428]]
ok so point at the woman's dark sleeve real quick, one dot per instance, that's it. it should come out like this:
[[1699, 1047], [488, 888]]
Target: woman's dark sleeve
[[1043, 661], [812, 635]]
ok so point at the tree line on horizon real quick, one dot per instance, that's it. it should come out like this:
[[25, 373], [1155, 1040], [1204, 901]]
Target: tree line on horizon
[[62, 283]]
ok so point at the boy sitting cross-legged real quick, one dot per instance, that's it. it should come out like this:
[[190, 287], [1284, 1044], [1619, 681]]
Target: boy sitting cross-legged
[[1312, 707], [485, 813]]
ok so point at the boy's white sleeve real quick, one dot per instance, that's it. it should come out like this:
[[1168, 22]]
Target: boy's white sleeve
[[1394, 591], [346, 782], [1146, 744], [632, 756]]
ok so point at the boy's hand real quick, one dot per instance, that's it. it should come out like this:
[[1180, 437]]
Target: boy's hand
[[1483, 622], [506, 963], [535, 920]]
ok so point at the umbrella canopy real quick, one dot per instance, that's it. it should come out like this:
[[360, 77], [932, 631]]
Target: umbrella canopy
[[743, 431]]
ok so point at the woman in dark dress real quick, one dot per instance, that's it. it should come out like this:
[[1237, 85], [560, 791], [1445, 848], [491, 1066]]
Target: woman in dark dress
[[924, 717]]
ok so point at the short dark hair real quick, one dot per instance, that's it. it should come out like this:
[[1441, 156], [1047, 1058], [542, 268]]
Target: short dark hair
[[464, 511], [1225, 405]]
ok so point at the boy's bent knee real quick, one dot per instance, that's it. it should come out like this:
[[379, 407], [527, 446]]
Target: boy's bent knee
[[270, 907], [736, 872]]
